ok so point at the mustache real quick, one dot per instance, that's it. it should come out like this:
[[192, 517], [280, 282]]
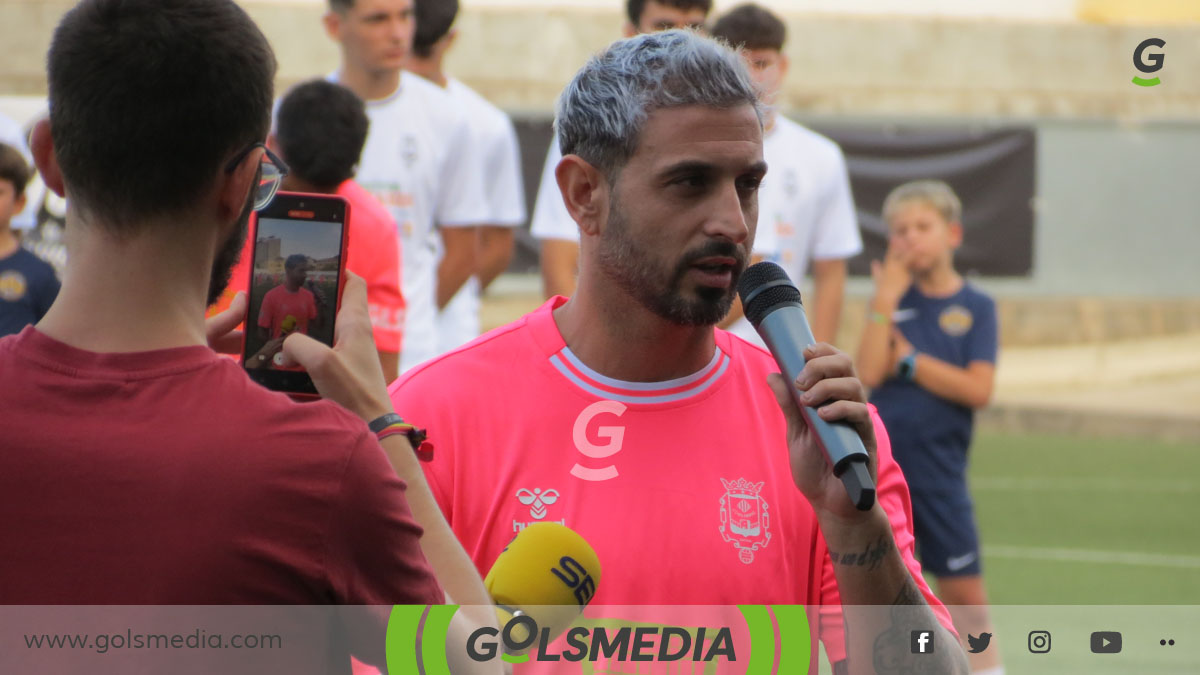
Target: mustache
[[716, 248]]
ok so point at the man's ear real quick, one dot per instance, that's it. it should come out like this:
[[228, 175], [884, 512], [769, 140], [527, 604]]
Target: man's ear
[[784, 63], [333, 25], [273, 142], [41, 143], [584, 191], [19, 203], [630, 30]]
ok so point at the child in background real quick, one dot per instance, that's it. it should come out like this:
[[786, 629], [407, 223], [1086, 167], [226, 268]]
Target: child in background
[[928, 353], [28, 285]]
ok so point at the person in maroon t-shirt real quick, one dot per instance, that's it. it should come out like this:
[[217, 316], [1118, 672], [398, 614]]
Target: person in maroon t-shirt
[[138, 467]]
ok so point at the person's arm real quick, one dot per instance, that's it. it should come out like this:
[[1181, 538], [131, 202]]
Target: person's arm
[[560, 267], [875, 355], [970, 386], [495, 252], [869, 568], [829, 288], [458, 261]]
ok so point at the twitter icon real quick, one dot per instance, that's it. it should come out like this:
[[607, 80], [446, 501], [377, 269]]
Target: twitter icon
[[980, 643]]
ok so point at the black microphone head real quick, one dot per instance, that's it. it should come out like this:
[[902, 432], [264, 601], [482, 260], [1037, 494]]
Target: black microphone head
[[763, 287]]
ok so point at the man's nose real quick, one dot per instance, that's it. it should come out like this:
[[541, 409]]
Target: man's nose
[[729, 218]]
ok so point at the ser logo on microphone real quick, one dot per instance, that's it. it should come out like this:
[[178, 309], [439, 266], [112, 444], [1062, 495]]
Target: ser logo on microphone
[[577, 578]]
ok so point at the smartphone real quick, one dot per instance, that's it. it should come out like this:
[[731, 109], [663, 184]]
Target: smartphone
[[297, 270]]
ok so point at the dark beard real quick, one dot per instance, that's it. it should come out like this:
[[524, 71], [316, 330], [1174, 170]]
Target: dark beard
[[230, 253], [627, 265]]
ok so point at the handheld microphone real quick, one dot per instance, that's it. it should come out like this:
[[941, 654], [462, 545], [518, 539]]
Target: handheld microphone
[[772, 305], [547, 572]]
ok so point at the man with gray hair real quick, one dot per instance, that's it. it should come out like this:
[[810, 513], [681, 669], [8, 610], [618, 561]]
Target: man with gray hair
[[623, 412]]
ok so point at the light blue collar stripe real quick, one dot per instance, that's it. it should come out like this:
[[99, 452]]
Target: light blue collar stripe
[[642, 386], [557, 362]]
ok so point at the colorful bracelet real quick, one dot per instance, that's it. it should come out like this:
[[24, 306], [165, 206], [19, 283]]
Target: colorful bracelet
[[392, 424]]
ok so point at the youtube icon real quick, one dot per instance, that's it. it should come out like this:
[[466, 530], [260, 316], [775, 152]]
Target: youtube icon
[[1106, 642]]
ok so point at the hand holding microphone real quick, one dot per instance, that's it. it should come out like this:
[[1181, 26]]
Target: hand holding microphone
[[549, 573], [829, 426]]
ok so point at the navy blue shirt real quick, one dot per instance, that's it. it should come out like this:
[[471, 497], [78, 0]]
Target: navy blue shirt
[[930, 435], [28, 286]]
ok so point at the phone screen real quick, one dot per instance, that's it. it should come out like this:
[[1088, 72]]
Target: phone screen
[[295, 280]]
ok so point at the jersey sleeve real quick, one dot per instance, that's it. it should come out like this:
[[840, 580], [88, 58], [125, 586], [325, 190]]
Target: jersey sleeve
[[835, 230], [983, 339], [506, 188], [550, 217], [385, 300], [892, 492], [373, 548], [462, 199]]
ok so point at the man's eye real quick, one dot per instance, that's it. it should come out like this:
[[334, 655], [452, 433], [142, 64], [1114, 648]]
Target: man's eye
[[750, 184], [690, 181]]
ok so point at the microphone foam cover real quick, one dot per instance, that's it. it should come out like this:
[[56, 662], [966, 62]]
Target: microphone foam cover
[[778, 289]]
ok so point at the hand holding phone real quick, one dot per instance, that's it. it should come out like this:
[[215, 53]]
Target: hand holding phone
[[349, 373]]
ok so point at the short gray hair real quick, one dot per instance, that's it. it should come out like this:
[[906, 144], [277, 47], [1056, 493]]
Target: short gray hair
[[602, 111], [934, 193]]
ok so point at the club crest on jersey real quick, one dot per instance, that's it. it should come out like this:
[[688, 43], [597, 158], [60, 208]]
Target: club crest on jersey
[[12, 285], [409, 151], [956, 320], [745, 519]]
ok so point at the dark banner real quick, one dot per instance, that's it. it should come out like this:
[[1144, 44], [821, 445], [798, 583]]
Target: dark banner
[[993, 172]]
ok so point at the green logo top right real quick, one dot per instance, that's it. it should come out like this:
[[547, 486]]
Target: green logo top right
[[1148, 63]]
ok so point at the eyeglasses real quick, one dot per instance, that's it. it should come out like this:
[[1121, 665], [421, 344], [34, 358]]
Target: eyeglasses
[[273, 171]]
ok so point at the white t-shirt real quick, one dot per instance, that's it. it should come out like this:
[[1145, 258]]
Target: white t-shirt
[[550, 217], [35, 192], [805, 210], [496, 151], [417, 163]]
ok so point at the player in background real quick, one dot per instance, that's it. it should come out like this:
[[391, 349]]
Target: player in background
[[320, 128], [12, 134], [805, 209], [28, 285], [929, 354], [494, 148], [417, 161], [623, 413], [551, 223], [289, 307]]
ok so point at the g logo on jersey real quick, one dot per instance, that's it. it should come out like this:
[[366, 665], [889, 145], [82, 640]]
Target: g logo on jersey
[[12, 286], [615, 436]]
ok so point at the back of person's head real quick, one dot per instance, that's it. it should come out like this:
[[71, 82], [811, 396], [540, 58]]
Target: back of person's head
[[321, 128], [14, 169], [603, 109], [434, 20], [751, 27], [635, 8], [935, 194], [150, 99]]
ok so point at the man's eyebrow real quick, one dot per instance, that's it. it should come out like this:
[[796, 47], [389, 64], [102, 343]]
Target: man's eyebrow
[[697, 166]]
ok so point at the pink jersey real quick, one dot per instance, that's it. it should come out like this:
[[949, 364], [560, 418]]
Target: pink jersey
[[683, 488], [286, 312]]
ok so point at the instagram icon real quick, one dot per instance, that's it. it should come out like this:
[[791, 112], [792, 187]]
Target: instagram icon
[[1039, 641]]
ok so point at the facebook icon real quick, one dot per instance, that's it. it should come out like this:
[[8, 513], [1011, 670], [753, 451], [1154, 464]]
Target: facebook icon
[[922, 642]]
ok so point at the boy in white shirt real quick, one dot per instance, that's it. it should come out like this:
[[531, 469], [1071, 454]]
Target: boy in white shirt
[[499, 158]]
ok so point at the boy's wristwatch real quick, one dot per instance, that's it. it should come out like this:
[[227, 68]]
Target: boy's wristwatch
[[907, 368]]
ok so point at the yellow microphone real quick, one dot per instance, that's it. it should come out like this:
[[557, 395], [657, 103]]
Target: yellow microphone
[[547, 572]]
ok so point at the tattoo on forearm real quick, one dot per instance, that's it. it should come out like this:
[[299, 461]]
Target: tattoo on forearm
[[871, 557], [892, 654]]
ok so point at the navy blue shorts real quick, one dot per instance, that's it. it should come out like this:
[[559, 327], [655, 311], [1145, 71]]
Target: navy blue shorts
[[944, 526]]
